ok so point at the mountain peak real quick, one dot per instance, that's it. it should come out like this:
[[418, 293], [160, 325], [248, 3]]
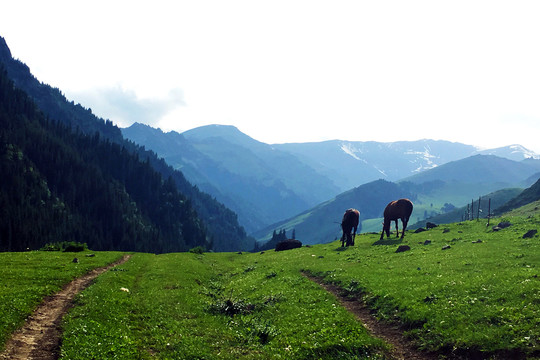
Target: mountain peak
[[514, 152], [228, 133], [213, 130], [5, 53]]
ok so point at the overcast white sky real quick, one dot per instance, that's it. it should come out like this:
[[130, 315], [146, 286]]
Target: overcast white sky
[[294, 71]]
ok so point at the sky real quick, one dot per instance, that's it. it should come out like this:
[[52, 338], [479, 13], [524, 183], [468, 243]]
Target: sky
[[294, 71]]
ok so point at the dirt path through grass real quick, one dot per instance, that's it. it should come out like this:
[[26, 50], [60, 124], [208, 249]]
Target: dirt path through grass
[[39, 338], [402, 348]]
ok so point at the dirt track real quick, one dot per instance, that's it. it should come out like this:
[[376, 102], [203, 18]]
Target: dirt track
[[39, 338], [402, 348]]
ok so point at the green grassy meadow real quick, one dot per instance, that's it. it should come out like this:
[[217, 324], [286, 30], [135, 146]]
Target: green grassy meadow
[[27, 277], [479, 298]]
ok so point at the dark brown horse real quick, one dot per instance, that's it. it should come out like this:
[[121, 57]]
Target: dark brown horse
[[399, 209], [348, 224]]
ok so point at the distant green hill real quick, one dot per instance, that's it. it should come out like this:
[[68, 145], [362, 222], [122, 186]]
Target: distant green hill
[[528, 196], [321, 224], [496, 199]]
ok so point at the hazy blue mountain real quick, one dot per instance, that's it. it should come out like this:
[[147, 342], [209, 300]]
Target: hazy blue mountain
[[352, 163], [261, 184], [480, 169], [247, 157], [512, 152], [533, 162]]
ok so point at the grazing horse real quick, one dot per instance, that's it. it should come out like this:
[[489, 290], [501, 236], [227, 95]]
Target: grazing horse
[[349, 223], [399, 209]]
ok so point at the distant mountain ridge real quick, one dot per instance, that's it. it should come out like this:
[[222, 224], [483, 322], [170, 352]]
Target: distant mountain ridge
[[513, 152], [266, 183], [479, 169], [352, 163]]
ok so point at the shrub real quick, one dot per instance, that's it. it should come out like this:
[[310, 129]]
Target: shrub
[[75, 247], [65, 246], [197, 250]]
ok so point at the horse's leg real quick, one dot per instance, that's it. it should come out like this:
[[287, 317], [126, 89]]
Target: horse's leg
[[404, 223], [354, 235], [397, 229]]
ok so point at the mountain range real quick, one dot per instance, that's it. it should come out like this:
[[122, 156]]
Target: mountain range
[[78, 177], [268, 183]]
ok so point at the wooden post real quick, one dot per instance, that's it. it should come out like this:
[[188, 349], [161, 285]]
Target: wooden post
[[478, 211], [472, 210], [489, 211]]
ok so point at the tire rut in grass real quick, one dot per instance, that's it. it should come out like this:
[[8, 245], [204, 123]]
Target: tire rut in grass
[[402, 348], [39, 338]]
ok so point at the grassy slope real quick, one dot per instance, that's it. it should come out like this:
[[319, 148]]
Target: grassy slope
[[470, 297], [527, 210], [178, 305]]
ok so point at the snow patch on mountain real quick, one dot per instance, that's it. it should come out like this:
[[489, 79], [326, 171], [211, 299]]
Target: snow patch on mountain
[[518, 149], [513, 152], [350, 150], [383, 173], [425, 158]]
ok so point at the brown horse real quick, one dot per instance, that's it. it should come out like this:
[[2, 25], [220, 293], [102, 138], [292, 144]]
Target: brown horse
[[399, 209], [349, 223]]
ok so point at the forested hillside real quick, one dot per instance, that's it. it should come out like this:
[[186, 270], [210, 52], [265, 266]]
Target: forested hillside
[[220, 222], [53, 102], [57, 185]]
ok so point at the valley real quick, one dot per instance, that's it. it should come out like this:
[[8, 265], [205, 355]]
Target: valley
[[191, 214]]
